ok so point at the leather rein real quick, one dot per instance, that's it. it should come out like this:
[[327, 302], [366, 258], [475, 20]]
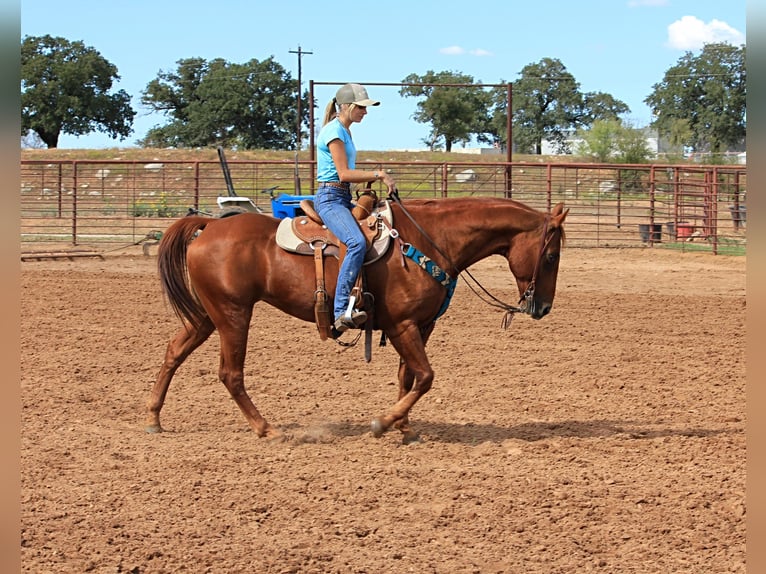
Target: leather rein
[[525, 302]]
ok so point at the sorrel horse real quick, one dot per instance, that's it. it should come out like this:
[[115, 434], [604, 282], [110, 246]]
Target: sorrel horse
[[213, 271]]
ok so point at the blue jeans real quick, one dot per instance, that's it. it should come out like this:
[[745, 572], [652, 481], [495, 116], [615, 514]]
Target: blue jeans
[[334, 207]]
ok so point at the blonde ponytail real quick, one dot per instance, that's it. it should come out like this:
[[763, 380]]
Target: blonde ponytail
[[330, 112]]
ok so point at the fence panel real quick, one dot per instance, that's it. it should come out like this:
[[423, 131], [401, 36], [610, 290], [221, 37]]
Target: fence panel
[[102, 202]]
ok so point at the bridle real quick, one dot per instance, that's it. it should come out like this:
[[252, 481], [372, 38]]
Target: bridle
[[525, 304]]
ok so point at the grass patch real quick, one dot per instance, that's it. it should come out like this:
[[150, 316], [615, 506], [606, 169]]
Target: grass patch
[[156, 208], [725, 247]]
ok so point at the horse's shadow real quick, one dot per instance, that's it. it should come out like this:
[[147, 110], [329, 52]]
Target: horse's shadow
[[472, 434]]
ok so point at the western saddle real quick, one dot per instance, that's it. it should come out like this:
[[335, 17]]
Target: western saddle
[[314, 238]]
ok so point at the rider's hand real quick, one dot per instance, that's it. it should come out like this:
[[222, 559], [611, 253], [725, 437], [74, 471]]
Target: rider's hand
[[388, 180]]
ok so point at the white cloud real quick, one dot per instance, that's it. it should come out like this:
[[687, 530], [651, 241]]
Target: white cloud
[[459, 51], [638, 3], [452, 51], [691, 33]]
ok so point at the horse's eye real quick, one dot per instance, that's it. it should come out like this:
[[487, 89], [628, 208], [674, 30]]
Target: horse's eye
[[552, 257]]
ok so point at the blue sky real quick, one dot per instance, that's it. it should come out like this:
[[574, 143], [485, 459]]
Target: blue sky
[[621, 47]]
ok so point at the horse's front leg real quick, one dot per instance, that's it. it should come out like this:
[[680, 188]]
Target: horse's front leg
[[415, 378], [178, 349], [406, 378]]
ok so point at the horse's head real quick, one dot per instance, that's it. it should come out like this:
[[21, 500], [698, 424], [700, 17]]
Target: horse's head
[[534, 262]]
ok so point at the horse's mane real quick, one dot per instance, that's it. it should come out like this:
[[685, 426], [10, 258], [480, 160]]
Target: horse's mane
[[465, 203], [467, 200]]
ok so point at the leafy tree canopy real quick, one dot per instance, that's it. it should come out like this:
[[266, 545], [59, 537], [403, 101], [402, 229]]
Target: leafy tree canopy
[[600, 106], [250, 106], [600, 140], [65, 89], [548, 105], [614, 140], [701, 101], [632, 146], [455, 113]]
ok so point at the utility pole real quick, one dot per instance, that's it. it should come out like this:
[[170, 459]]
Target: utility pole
[[300, 56]]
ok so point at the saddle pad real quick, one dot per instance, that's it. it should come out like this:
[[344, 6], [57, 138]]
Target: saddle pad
[[288, 241]]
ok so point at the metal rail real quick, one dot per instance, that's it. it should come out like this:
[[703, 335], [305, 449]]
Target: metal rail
[[87, 203]]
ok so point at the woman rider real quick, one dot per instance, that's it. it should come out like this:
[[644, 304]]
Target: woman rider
[[336, 171]]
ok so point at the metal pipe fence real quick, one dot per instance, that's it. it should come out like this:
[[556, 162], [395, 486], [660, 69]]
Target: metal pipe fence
[[98, 203]]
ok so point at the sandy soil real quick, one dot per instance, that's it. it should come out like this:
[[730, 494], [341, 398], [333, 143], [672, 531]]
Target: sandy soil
[[607, 437]]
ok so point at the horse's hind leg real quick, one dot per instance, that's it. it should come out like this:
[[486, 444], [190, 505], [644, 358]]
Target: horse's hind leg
[[179, 348], [233, 334], [415, 378]]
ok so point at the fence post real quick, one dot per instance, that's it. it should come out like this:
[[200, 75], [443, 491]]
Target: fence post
[[549, 184], [714, 210], [736, 210], [196, 184], [60, 188], [652, 204], [74, 203]]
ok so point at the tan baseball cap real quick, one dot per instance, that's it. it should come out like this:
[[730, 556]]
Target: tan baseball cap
[[354, 94]]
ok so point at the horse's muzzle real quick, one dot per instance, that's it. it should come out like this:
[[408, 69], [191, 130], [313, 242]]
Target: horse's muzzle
[[537, 309]]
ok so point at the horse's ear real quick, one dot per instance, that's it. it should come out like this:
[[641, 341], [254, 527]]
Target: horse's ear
[[558, 214]]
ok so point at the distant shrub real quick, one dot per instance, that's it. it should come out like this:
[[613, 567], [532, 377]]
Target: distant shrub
[[156, 208]]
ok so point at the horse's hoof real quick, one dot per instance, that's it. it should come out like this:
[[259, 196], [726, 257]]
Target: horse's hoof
[[377, 428], [154, 429], [276, 436]]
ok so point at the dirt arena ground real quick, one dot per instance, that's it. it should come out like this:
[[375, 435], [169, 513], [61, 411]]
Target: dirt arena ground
[[607, 437]]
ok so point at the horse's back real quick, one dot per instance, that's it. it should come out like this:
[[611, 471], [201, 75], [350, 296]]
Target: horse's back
[[238, 258], [243, 226], [240, 236]]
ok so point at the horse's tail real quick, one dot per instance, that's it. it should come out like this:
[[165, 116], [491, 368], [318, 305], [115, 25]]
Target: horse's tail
[[174, 277]]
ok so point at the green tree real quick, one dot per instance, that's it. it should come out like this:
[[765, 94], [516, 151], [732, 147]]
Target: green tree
[[65, 89], [533, 124], [455, 113], [708, 92], [600, 106], [632, 146], [680, 133], [548, 105], [546, 99], [250, 106], [600, 139], [614, 139]]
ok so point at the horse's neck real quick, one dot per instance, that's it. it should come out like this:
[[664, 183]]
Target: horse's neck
[[470, 230]]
